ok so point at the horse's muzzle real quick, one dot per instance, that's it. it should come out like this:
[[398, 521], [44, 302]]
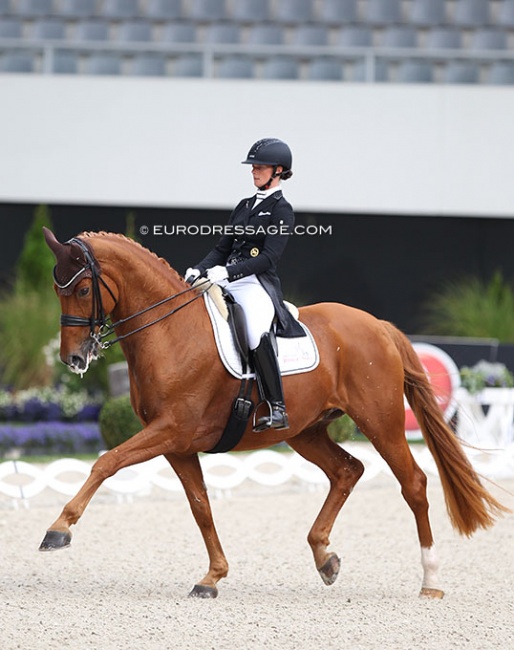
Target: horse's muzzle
[[78, 361]]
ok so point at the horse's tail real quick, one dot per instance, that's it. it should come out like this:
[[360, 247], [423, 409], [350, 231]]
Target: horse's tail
[[469, 504]]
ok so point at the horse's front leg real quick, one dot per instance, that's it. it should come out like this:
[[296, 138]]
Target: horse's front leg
[[152, 441], [189, 471]]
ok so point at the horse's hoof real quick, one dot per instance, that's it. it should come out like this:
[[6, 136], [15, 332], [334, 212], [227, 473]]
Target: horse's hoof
[[55, 540], [330, 570], [203, 591], [429, 592]]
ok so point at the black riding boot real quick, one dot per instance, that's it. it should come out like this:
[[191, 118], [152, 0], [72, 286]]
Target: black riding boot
[[270, 385]]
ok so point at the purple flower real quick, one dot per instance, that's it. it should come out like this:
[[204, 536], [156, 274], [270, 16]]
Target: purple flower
[[33, 410], [53, 412], [52, 437], [89, 413], [9, 412]]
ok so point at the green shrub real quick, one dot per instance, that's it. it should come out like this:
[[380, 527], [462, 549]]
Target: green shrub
[[472, 308], [29, 346], [36, 262], [29, 314], [117, 421], [344, 428], [28, 321], [130, 226]]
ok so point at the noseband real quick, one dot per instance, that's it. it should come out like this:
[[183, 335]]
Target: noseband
[[98, 318]]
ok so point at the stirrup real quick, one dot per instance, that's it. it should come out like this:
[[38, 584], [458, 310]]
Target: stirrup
[[266, 421]]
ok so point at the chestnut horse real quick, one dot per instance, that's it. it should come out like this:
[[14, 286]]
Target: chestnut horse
[[183, 396]]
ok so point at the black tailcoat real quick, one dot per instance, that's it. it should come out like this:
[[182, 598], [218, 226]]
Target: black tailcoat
[[253, 243]]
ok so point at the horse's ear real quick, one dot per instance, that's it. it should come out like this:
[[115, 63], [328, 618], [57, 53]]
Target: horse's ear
[[72, 263], [52, 242]]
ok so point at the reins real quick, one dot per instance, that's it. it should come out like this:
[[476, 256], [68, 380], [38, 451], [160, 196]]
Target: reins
[[98, 318], [109, 329]]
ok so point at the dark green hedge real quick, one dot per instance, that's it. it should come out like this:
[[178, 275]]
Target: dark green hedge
[[118, 422]]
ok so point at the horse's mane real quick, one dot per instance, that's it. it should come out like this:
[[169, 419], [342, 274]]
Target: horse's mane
[[132, 242], [213, 290]]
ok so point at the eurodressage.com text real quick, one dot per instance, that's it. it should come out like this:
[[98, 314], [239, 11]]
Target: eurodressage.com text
[[235, 229]]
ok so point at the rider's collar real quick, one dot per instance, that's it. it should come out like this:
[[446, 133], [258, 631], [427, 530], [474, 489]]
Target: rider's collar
[[263, 194]]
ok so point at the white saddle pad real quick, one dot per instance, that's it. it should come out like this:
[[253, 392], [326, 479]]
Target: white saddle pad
[[295, 355]]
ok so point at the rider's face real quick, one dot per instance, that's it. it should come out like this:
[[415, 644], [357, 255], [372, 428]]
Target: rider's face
[[261, 175]]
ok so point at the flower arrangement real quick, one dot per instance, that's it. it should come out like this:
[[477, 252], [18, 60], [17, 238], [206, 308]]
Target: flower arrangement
[[51, 438], [486, 375], [49, 421], [48, 404]]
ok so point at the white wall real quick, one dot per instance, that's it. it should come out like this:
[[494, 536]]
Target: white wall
[[178, 142]]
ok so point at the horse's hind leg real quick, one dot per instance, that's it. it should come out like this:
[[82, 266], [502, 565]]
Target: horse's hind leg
[[343, 472], [395, 450], [189, 471]]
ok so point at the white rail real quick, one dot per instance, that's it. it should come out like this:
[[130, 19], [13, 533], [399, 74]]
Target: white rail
[[21, 481]]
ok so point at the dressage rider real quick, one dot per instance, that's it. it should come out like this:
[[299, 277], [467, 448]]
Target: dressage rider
[[244, 263]]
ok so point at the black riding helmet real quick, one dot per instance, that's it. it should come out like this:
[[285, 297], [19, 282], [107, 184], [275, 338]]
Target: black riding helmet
[[274, 152]]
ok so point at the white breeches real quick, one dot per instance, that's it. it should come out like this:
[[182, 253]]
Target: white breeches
[[257, 306]]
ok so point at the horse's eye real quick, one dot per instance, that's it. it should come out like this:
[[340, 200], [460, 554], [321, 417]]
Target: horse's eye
[[84, 291]]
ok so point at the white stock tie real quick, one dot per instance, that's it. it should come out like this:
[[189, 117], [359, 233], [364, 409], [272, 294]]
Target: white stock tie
[[259, 197]]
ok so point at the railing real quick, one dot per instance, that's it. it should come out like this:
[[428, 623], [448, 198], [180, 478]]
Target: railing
[[210, 53], [486, 419], [20, 481]]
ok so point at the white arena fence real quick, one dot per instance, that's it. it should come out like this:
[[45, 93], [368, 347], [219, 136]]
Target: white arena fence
[[21, 481]]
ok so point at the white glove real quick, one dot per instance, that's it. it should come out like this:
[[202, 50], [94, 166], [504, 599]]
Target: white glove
[[217, 274], [191, 275]]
